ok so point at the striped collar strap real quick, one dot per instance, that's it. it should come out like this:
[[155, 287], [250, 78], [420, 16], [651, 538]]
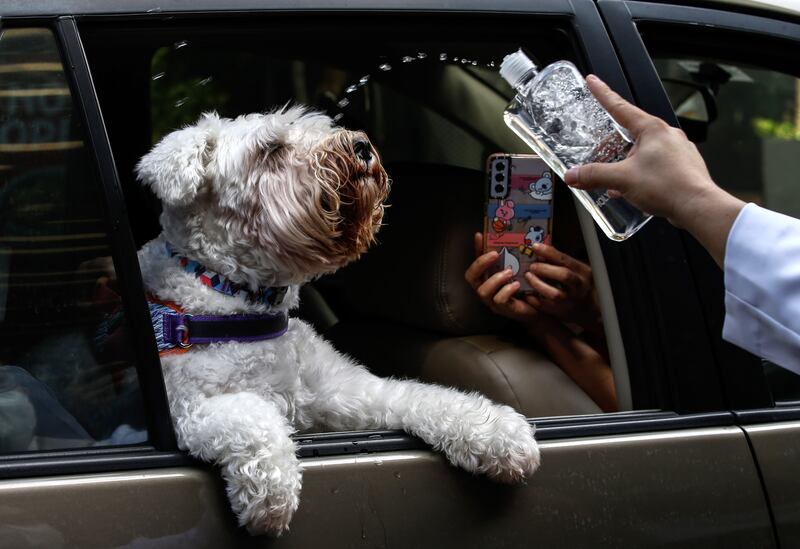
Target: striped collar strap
[[272, 295]]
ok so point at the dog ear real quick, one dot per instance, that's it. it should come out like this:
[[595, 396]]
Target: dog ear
[[175, 168]]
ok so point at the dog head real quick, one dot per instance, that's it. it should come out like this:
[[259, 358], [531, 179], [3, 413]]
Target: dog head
[[276, 198]]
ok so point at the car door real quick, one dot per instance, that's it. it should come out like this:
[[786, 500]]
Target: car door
[[746, 62], [672, 468]]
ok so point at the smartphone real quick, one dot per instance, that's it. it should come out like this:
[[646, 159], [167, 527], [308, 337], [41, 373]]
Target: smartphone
[[519, 211]]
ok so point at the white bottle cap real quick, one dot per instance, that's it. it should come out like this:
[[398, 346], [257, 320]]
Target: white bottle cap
[[516, 67]]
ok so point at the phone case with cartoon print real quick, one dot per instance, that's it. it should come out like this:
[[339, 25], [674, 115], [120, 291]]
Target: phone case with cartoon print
[[519, 210]]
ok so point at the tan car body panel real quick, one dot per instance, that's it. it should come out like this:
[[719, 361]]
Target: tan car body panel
[[681, 488], [777, 449]]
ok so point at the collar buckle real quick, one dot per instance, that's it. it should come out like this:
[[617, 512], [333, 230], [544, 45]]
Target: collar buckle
[[182, 331]]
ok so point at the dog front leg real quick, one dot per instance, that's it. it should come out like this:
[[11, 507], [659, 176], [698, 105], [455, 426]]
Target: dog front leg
[[251, 441], [472, 431]]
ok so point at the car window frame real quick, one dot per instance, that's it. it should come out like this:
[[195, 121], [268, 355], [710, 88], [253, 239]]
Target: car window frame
[[746, 390], [663, 376]]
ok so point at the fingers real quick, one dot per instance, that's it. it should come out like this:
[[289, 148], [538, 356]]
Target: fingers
[[506, 294], [478, 240], [544, 289], [474, 273], [596, 176], [492, 285], [630, 116], [557, 273], [553, 255], [533, 301]]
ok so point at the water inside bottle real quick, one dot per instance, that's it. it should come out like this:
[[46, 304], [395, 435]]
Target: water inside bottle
[[559, 118]]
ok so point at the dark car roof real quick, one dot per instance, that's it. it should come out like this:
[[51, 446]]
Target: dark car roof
[[111, 7], [39, 8]]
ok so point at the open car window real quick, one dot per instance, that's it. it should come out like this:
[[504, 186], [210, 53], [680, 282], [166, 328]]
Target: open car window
[[434, 112]]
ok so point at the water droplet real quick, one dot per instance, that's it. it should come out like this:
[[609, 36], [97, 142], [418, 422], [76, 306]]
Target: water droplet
[[464, 61], [422, 55], [397, 474], [181, 102], [181, 44], [205, 81], [385, 67], [351, 89], [474, 63], [378, 462], [407, 59], [338, 117], [455, 59], [442, 57], [491, 64], [154, 10], [364, 79], [334, 490], [343, 103], [158, 75]]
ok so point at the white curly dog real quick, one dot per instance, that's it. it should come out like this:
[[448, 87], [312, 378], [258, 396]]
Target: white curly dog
[[253, 207]]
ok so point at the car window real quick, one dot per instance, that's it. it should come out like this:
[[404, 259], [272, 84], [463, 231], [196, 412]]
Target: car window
[[752, 145], [745, 119], [67, 378], [434, 112]]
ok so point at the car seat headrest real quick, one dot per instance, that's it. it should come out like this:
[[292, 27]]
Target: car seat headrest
[[415, 273]]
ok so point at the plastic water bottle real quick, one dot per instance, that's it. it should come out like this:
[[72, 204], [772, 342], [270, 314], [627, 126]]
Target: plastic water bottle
[[558, 117]]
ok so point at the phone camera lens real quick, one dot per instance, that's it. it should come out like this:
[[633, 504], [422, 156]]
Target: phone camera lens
[[499, 177], [499, 166], [499, 188]]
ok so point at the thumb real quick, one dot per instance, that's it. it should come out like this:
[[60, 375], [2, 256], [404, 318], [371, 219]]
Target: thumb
[[598, 176]]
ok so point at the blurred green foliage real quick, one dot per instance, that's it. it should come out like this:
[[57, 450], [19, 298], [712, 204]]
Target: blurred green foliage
[[768, 128]]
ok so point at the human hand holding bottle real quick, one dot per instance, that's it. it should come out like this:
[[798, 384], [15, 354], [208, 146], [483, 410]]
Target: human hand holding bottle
[[664, 175]]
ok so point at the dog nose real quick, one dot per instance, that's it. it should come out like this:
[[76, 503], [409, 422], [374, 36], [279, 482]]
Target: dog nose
[[363, 150]]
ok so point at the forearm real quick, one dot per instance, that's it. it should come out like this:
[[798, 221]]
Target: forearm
[[590, 321], [588, 368]]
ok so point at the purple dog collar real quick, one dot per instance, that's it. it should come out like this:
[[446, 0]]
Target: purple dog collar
[[175, 329]]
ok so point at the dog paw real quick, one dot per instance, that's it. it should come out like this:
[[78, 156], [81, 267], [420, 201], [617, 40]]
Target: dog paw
[[501, 446], [263, 496]]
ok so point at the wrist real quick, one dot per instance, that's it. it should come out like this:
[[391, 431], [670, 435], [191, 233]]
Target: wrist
[[694, 208], [709, 219], [712, 202], [539, 325]]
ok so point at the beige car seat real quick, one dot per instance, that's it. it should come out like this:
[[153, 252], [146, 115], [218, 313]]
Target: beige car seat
[[405, 310]]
